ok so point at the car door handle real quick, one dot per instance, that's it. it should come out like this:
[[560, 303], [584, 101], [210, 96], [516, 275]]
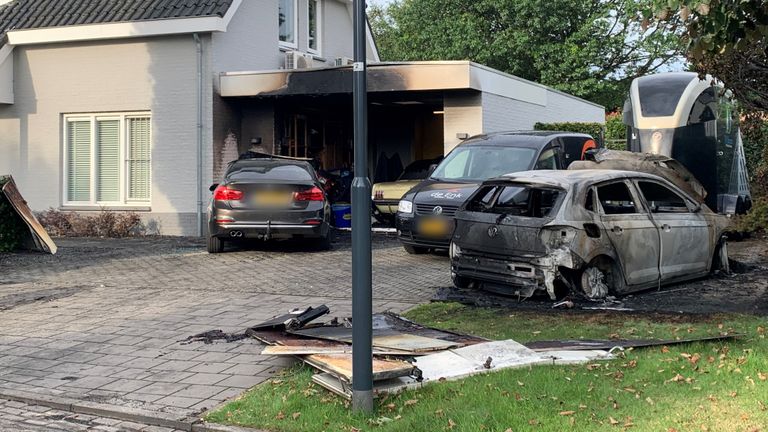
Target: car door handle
[[617, 230], [666, 228]]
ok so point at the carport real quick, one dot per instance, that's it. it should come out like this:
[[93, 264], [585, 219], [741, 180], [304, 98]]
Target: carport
[[418, 110]]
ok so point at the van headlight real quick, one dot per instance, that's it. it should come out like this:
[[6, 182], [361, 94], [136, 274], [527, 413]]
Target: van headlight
[[405, 206], [454, 251]]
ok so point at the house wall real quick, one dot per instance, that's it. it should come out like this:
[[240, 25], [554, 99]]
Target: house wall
[[156, 75], [502, 113], [463, 113]]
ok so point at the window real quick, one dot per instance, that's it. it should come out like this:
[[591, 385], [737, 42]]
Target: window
[[661, 199], [616, 199], [547, 160], [473, 162], [107, 159], [286, 16], [313, 26]]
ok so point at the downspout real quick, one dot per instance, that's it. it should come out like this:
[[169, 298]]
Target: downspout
[[199, 49]]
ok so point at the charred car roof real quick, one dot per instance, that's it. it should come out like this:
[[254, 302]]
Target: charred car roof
[[532, 139], [566, 179]]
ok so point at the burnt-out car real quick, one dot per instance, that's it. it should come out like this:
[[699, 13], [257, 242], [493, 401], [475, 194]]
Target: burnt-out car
[[594, 232], [424, 218], [268, 197]]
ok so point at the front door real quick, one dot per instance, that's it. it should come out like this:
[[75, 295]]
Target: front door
[[685, 239], [632, 232]]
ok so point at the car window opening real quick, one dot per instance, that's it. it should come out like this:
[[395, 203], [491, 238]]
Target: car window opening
[[662, 200], [517, 200], [589, 204], [615, 198]]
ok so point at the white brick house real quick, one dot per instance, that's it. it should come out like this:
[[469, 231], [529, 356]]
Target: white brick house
[[138, 104]]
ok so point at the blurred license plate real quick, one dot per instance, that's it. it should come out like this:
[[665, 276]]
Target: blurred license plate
[[434, 227], [273, 198]]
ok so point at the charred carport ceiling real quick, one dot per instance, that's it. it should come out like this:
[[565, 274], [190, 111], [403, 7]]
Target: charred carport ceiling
[[384, 77]]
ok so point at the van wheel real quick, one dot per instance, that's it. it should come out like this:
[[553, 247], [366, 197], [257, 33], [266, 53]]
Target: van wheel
[[215, 245], [415, 250]]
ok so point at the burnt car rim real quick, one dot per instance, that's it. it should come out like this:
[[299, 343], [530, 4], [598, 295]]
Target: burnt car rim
[[594, 283]]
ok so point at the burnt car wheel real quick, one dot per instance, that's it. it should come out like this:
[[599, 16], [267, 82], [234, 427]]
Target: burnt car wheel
[[720, 258], [461, 282], [215, 245], [599, 278], [415, 250]]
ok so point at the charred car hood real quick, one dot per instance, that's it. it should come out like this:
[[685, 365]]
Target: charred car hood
[[437, 192]]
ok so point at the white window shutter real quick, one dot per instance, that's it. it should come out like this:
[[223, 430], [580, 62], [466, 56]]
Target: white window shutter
[[79, 161], [139, 149], [108, 160]]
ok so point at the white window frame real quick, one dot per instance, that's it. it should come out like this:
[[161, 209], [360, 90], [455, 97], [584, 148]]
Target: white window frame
[[93, 118], [319, 22], [295, 43]]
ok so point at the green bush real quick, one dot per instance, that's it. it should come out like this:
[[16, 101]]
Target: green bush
[[754, 131], [615, 129], [594, 129]]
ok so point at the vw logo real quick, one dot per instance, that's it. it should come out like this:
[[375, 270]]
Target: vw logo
[[493, 231], [437, 211]]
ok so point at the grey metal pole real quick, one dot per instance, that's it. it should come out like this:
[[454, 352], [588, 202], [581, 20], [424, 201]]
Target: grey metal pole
[[362, 308]]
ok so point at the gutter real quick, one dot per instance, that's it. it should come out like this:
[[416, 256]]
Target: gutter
[[199, 50]]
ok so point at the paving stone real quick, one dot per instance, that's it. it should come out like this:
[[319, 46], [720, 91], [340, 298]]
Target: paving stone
[[204, 378], [91, 382], [125, 385], [242, 381], [178, 401]]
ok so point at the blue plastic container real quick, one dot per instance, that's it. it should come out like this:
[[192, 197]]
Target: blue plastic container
[[342, 215]]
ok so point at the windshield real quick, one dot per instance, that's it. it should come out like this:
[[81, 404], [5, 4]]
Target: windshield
[[475, 163]]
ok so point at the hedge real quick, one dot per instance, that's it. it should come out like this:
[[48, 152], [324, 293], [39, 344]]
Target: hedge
[[594, 129]]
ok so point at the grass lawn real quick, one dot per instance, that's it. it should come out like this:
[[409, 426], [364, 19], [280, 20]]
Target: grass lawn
[[716, 387]]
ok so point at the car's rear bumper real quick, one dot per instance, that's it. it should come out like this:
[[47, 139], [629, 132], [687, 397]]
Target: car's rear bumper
[[267, 230]]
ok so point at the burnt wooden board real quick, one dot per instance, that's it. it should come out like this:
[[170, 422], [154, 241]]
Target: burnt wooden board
[[40, 238], [341, 366]]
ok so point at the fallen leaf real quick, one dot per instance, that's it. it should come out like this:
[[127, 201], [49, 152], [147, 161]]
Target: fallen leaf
[[280, 415], [567, 413], [508, 430], [398, 417], [649, 400], [533, 422], [439, 413], [390, 406], [296, 415], [762, 376], [410, 402], [613, 421], [520, 384], [451, 424], [665, 349]]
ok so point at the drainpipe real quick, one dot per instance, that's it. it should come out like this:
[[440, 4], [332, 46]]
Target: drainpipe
[[199, 49]]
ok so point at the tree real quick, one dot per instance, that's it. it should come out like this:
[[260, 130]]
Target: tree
[[589, 48], [727, 39]]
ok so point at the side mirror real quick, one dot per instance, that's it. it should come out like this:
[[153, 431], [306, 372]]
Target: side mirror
[[322, 181], [213, 187], [432, 169]]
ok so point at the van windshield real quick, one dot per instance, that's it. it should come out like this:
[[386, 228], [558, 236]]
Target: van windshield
[[476, 163]]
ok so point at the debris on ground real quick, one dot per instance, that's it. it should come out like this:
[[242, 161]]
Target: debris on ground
[[408, 355], [27, 233], [214, 335]]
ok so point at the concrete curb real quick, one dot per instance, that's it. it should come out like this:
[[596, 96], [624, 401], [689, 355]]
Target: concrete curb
[[136, 415]]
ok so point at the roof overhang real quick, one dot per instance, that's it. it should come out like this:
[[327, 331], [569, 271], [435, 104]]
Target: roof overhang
[[122, 30], [386, 77]]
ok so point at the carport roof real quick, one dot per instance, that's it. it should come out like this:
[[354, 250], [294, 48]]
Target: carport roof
[[387, 77]]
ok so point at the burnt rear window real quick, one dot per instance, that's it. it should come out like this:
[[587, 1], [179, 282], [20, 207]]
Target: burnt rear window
[[268, 171], [515, 200], [660, 94]]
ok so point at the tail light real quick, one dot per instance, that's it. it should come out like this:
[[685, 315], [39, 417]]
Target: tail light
[[225, 193], [314, 194]]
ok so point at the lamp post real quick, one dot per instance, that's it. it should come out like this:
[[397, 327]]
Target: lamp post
[[362, 308]]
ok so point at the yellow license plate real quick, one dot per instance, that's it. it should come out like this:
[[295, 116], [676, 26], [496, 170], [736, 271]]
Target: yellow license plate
[[434, 227], [273, 198]]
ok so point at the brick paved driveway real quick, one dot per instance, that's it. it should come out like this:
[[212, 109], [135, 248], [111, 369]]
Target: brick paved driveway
[[102, 320]]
